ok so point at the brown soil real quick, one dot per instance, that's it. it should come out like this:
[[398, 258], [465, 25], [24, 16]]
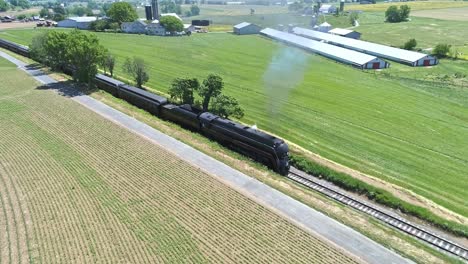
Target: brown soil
[[17, 25]]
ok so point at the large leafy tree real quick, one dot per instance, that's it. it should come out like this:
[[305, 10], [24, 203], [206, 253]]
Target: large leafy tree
[[84, 52], [195, 10], [182, 89], [171, 24], [226, 106], [137, 69], [211, 87], [395, 14], [122, 12], [3, 6], [58, 49]]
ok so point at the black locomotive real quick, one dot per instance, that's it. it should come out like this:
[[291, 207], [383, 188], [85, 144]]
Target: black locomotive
[[251, 142]]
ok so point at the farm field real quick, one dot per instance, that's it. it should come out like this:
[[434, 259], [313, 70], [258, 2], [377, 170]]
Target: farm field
[[459, 14], [415, 5], [74, 186], [396, 127]]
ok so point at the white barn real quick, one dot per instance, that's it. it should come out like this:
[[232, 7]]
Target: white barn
[[407, 57], [327, 9], [245, 28], [76, 22], [351, 57]]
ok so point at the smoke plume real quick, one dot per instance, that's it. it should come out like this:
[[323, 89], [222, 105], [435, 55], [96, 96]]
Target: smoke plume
[[285, 72]]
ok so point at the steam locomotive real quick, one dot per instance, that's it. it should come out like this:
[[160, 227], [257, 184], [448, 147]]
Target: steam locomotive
[[262, 147]]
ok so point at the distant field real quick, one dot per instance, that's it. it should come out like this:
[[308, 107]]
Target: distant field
[[32, 10], [417, 5], [398, 127], [74, 186], [458, 14]]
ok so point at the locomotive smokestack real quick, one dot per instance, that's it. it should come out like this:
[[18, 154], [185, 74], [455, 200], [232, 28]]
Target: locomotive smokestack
[[155, 7], [148, 12]]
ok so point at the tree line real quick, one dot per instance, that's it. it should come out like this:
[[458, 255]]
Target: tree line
[[83, 55]]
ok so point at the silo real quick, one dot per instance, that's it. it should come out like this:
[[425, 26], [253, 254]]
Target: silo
[[342, 5], [155, 7], [149, 15]]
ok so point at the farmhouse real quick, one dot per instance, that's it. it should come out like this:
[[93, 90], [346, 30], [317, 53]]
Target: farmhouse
[[407, 57], [354, 58], [327, 9], [345, 33], [245, 28], [76, 22], [136, 27], [155, 28]]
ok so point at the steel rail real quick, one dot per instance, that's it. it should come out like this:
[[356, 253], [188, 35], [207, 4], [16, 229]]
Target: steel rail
[[394, 221]]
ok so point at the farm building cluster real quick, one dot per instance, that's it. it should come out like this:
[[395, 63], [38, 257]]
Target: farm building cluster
[[149, 26], [342, 45]]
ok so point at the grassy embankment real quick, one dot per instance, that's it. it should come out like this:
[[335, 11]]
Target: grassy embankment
[[403, 130], [75, 186]]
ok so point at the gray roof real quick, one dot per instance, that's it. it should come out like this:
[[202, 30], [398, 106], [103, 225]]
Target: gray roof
[[363, 46], [241, 25], [83, 19], [327, 50]]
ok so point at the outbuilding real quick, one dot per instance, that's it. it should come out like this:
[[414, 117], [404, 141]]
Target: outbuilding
[[327, 9], [155, 28], [245, 28], [76, 22], [135, 27], [324, 27], [345, 33]]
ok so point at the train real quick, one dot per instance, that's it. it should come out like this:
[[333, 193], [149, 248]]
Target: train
[[251, 142]]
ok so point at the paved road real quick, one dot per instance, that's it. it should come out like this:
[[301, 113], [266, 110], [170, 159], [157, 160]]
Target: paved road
[[308, 218]]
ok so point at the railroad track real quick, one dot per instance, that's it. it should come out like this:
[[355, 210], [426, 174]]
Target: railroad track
[[394, 221]]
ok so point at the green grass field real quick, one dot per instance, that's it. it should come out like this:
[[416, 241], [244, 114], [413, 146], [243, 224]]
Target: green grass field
[[391, 124], [74, 186]]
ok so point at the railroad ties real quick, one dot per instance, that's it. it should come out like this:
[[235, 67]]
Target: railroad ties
[[394, 221]]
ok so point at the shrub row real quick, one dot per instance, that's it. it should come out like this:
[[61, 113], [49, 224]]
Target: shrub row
[[378, 195]]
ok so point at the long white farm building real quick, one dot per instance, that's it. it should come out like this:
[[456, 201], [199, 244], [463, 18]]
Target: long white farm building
[[354, 58], [76, 22], [411, 58]]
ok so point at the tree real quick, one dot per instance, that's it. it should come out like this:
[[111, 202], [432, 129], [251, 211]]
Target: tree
[[55, 49], [195, 10], [392, 15], [171, 24], [296, 6], [353, 17], [137, 69], [24, 4], [226, 106], [3, 6], [37, 47], [182, 90], [44, 12], [441, 50], [395, 15], [108, 63], [404, 12], [211, 87], [122, 12], [84, 52], [410, 44]]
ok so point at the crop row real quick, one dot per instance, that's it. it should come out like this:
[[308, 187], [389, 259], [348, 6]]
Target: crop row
[[97, 190]]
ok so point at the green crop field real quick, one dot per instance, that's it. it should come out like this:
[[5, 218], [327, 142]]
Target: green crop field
[[76, 187], [393, 124]]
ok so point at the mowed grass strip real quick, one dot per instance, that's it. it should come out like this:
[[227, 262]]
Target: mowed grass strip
[[415, 5], [98, 193], [400, 129]]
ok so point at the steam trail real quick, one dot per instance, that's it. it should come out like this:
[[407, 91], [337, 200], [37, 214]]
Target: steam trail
[[285, 72]]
